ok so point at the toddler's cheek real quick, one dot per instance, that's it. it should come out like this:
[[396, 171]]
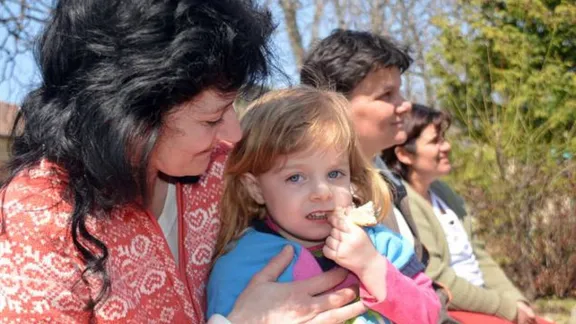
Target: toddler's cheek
[[342, 197]]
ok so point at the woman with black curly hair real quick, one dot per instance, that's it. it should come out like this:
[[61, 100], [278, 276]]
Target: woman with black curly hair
[[109, 213]]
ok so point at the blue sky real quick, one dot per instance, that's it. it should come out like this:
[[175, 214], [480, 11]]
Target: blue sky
[[25, 75]]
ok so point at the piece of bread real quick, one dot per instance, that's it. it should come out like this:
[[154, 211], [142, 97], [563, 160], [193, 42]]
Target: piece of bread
[[364, 215]]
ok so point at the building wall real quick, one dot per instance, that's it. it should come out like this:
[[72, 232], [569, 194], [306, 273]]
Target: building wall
[[4, 149], [3, 153], [7, 115]]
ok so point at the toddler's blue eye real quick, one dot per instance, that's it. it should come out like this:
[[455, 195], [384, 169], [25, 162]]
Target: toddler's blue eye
[[334, 174], [294, 178]]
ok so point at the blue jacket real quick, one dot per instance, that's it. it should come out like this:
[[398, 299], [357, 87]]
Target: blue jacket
[[233, 271]]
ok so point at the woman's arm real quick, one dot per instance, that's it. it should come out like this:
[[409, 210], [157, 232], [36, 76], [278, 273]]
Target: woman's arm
[[494, 277], [465, 296], [37, 279], [40, 275]]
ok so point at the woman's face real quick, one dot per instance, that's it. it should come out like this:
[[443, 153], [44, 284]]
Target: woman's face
[[431, 158], [377, 110], [191, 131]]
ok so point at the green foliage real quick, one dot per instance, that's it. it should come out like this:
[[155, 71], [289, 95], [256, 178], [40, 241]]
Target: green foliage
[[508, 63], [507, 73], [525, 208]]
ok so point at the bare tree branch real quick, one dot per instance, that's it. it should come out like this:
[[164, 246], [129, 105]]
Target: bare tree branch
[[319, 10], [20, 20], [289, 7], [339, 8], [378, 16], [267, 3]]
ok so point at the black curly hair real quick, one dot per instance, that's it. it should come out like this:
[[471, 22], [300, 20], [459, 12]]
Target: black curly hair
[[111, 69]]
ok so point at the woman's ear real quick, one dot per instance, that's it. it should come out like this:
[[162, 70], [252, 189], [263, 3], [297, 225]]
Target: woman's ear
[[404, 156], [253, 187]]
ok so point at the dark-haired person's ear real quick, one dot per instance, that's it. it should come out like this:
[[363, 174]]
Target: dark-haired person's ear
[[252, 185], [404, 156]]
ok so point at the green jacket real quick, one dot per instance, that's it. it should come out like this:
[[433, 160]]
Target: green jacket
[[499, 296]]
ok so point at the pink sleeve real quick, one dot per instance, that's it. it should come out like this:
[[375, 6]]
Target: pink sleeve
[[408, 300]]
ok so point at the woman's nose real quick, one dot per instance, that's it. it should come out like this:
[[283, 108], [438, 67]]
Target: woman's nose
[[446, 147], [403, 107], [230, 130]]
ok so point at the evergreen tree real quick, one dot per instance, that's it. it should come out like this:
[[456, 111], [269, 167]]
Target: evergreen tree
[[510, 65], [506, 70]]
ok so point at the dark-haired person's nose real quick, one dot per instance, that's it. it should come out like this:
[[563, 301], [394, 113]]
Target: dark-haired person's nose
[[445, 147], [230, 132], [403, 108], [396, 99]]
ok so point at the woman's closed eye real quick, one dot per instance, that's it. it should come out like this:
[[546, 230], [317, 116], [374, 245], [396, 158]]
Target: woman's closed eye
[[385, 96], [213, 123], [218, 119], [437, 140]]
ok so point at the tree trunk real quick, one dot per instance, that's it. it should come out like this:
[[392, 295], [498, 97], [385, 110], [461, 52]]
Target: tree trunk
[[410, 31], [289, 7]]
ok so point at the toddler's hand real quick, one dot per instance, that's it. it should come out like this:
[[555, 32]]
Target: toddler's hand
[[348, 245]]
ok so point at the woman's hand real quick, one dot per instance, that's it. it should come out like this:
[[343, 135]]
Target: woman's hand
[[266, 301], [349, 246], [525, 314]]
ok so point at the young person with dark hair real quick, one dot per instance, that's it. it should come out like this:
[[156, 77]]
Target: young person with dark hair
[[367, 69], [481, 291], [110, 210]]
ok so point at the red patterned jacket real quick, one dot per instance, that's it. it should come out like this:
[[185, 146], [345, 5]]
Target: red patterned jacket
[[40, 268]]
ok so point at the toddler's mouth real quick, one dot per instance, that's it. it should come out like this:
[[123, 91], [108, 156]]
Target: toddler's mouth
[[317, 216]]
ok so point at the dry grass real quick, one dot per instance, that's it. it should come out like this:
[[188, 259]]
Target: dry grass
[[558, 310]]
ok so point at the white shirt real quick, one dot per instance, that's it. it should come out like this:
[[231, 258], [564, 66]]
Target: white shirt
[[403, 227], [168, 220], [462, 258]]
